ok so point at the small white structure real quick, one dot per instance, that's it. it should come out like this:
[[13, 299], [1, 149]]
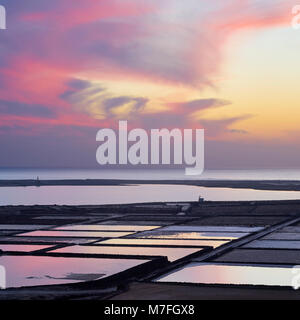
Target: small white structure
[[2, 277], [2, 17]]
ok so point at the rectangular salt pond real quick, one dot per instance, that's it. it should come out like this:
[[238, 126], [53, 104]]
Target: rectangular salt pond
[[160, 242], [211, 229], [273, 244], [22, 247], [7, 232], [210, 273], [23, 227], [139, 222], [103, 227], [74, 234], [37, 270], [192, 235], [172, 253], [290, 229], [47, 240], [282, 236]]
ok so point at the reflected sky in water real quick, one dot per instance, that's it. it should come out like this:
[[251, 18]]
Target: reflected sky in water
[[168, 242], [103, 227], [33, 270], [193, 235], [210, 273], [172, 253], [22, 247], [74, 234], [89, 195]]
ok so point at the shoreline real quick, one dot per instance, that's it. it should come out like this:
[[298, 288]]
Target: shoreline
[[273, 185]]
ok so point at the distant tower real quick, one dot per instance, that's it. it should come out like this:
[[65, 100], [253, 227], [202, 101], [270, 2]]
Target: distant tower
[[201, 199]]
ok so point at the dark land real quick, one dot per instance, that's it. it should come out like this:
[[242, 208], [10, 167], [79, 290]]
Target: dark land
[[283, 185]]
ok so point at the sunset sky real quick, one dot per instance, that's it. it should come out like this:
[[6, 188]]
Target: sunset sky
[[69, 68]]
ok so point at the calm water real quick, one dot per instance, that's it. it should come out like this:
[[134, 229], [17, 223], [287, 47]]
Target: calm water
[[33, 271], [50, 174], [162, 242], [232, 274], [172, 253], [84, 195]]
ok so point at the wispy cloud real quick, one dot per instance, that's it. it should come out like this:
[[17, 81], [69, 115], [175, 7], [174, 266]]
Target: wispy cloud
[[25, 110], [71, 63]]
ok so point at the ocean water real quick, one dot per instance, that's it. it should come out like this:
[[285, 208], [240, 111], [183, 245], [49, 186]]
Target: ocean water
[[84, 195], [150, 174]]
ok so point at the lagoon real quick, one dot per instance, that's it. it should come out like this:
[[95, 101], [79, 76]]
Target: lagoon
[[100, 195]]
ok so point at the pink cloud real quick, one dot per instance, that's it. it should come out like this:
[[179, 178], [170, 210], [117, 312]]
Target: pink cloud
[[67, 14], [122, 39]]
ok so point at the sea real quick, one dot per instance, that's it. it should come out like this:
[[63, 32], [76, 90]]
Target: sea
[[96, 195]]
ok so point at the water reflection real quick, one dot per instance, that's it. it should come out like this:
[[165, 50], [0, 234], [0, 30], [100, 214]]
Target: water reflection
[[85, 195], [74, 234], [172, 253], [23, 226], [33, 270], [161, 242], [192, 235], [210, 273], [22, 247], [273, 244], [211, 228], [103, 227]]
